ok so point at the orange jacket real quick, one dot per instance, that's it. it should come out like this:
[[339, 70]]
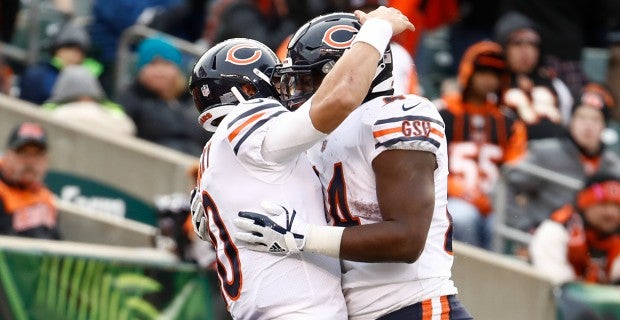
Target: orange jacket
[[27, 212], [590, 254], [480, 139]]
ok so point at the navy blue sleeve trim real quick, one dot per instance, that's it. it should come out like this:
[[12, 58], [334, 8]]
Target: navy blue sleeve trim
[[254, 128], [253, 111], [409, 118]]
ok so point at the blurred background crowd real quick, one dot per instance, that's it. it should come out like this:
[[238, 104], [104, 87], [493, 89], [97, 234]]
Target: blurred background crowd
[[528, 89]]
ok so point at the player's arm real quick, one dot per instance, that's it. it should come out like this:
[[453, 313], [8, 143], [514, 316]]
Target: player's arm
[[406, 195], [341, 91]]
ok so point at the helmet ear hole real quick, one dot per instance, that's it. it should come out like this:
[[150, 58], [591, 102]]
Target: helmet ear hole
[[248, 90]]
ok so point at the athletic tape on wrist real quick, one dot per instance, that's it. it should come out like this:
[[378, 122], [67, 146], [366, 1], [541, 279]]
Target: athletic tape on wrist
[[324, 240], [376, 32]]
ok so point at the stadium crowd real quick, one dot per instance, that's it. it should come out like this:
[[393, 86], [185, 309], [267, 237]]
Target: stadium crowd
[[523, 104]]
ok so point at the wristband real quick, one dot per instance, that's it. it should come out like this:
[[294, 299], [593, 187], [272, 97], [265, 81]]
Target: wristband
[[324, 240], [376, 32]]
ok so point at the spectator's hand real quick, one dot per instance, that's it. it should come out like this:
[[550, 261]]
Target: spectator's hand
[[397, 20], [263, 234], [199, 217]]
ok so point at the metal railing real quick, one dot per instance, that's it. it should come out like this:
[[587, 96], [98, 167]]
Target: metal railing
[[132, 35], [30, 54], [502, 232]]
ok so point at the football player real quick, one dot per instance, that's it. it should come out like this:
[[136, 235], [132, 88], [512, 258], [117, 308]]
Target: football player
[[257, 153], [384, 176]]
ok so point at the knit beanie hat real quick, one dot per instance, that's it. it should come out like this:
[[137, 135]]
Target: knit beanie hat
[[599, 188], [152, 48], [510, 22], [75, 82], [482, 55], [596, 96], [71, 35]]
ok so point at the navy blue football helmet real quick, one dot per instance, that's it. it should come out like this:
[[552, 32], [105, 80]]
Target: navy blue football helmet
[[232, 71], [312, 52]]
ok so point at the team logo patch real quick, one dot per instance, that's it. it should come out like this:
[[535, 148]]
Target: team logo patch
[[237, 55], [205, 90], [339, 37]]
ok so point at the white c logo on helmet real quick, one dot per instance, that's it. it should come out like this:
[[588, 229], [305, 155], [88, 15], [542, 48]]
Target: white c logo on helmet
[[328, 37], [230, 55]]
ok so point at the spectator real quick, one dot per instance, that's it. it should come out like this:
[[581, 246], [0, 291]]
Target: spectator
[[613, 37], [110, 18], [6, 77], [426, 15], [566, 27], [8, 15], [480, 139], [580, 241], [405, 75], [185, 20], [579, 154], [78, 98], [158, 100], [27, 207], [541, 100], [269, 22], [70, 46], [475, 22]]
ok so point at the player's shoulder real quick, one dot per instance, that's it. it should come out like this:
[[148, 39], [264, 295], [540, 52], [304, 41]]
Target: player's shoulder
[[402, 107], [249, 117], [252, 111], [407, 122], [253, 108]]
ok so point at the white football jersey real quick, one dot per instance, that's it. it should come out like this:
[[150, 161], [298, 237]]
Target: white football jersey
[[344, 162], [234, 177]]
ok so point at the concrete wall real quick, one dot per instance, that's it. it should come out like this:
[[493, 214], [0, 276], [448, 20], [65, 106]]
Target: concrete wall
[[135, 166], [490, 285], [494, 286], [82, 225]]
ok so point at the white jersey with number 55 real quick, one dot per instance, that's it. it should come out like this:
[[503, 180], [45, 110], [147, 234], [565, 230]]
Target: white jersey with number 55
[[344, 163]]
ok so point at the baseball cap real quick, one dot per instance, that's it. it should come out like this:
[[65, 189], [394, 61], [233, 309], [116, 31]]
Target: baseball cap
[[27, 133]]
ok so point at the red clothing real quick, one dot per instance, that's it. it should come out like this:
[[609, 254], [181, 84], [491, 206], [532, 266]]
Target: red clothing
[[480, 139], [590, 253]]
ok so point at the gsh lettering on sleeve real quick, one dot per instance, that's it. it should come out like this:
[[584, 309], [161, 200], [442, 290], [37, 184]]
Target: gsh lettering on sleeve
[[416, 128]]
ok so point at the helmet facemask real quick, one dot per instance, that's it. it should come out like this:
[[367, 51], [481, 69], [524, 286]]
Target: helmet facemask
[[297, 83], [312, 52]]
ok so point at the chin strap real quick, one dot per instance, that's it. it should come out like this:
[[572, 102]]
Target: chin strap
[[237, 94]]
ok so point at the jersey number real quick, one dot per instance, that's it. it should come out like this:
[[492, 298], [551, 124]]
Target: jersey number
[[478, 164], [230, 279], [338, 208]]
